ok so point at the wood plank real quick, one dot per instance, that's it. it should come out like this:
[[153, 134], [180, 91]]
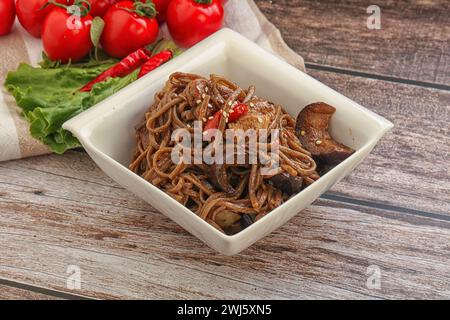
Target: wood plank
[[127, 250], [11, 293], [409, 167], [413, 42]]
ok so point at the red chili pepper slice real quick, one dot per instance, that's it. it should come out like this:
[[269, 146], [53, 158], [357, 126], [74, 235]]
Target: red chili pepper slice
[[155, 61], [213, 123], [237, 112], [121, 69]]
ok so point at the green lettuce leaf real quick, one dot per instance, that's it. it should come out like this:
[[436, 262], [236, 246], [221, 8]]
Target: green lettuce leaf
[[49, 96]]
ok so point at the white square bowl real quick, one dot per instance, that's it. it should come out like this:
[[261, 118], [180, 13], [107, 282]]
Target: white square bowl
[[106, 130]]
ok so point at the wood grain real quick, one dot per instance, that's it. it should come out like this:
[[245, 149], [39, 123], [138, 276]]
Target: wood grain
[[413, 42], [127, 250], [11, 293]]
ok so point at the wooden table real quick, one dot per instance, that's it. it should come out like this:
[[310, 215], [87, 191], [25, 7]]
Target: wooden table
[[392, 213]]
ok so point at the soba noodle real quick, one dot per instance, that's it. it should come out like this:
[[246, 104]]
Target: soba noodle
[[187, 98]]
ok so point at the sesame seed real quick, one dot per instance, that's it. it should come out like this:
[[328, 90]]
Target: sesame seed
[[204, 119], [203, 96], [230, 103], [198, 101], [210, 118], [302, 133], [319, 142], [206, 89], [260, 120], [252, 104]]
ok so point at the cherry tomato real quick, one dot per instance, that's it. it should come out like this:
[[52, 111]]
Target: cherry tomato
[[161, 7], [126, 31], [66, 37], [7, 16], [31, 15], [191, 21], [99, 7]]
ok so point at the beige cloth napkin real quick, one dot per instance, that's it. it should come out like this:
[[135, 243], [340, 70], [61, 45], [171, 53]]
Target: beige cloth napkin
[[242, 16]]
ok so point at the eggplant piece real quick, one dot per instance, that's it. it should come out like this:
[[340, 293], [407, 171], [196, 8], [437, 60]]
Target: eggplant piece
[[247, 220], [287, 184], [219, 178], [260, 115], [312, 129]]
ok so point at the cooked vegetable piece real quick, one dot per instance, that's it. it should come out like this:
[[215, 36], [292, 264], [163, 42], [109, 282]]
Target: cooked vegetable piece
[[247, 220], [312, 130], [260, 114], [213, 123], [225, 219], [237, 112], [219, 178], [287, 183]]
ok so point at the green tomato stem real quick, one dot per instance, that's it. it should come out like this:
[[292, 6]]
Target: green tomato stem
[[203, 1], [84, 5]]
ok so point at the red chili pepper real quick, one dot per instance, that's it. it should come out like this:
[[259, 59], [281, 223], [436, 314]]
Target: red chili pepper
[[124, 67], [213, 123], [237, 112], [155, 61]]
